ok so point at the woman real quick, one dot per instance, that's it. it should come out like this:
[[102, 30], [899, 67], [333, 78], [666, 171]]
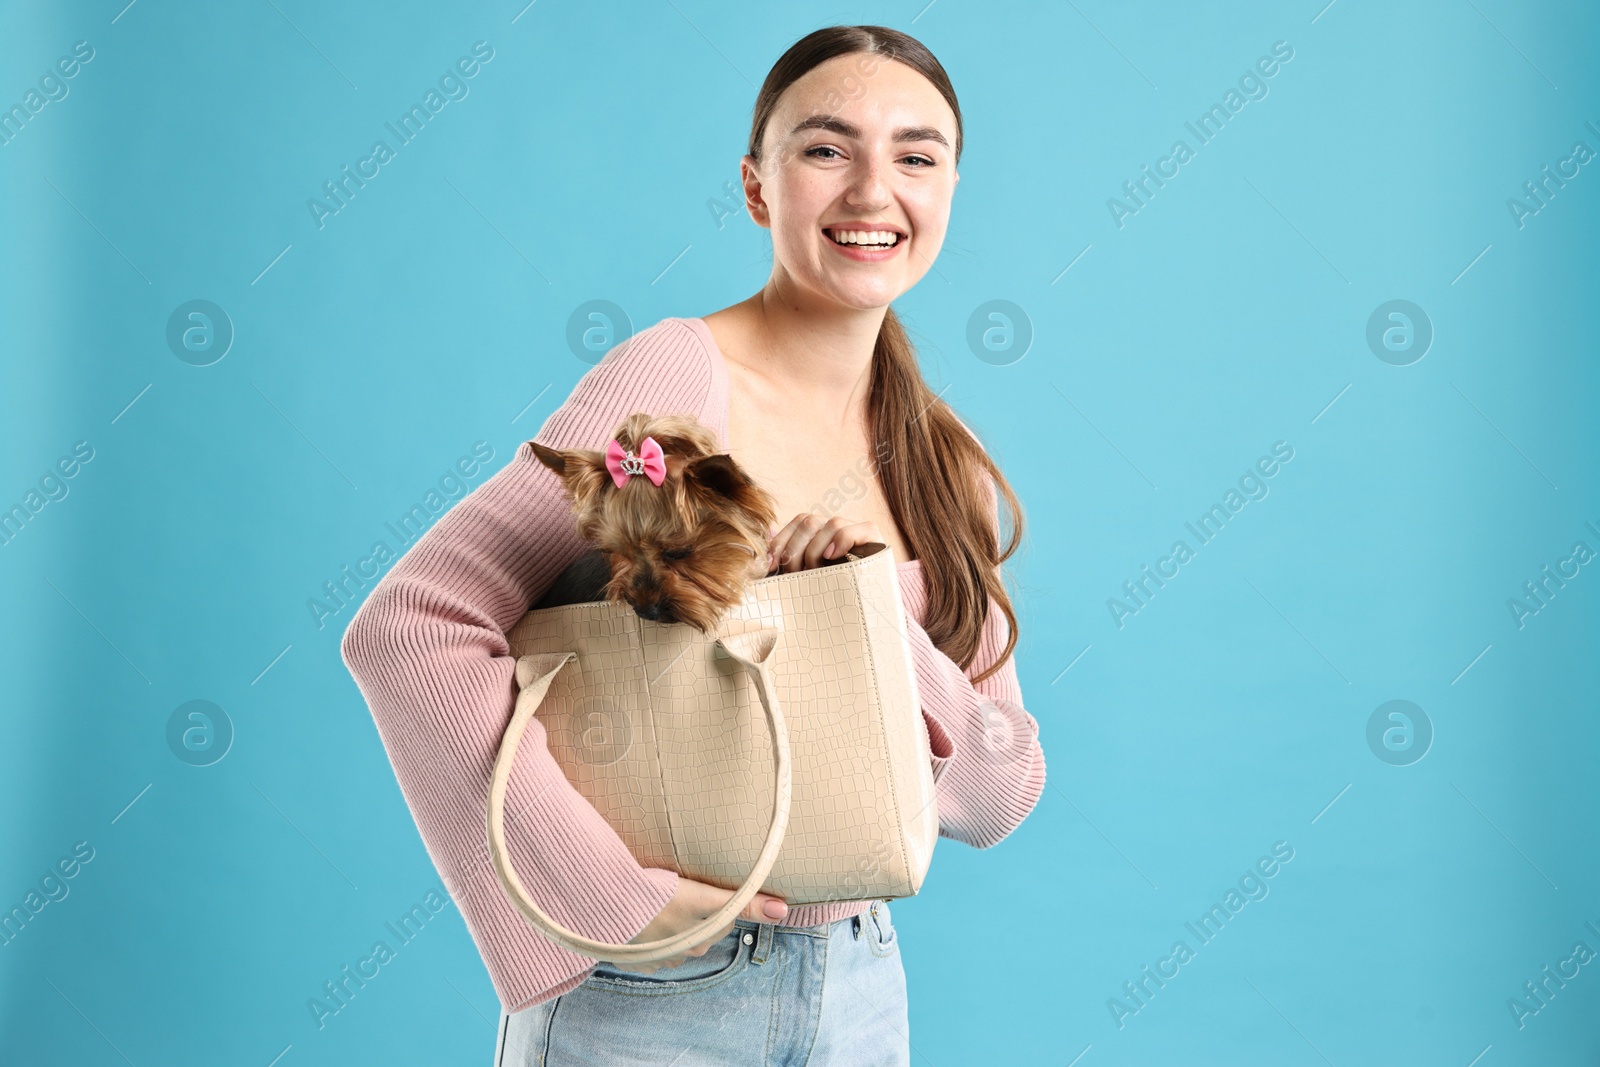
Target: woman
[[814, 388]]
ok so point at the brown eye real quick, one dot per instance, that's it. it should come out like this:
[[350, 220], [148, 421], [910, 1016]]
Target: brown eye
[[675, 554]]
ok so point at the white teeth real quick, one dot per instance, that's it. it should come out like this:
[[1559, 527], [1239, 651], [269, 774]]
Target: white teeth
[[865, 237]]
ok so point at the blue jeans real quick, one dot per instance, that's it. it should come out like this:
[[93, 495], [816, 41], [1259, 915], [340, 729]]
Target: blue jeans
[[828, 995]]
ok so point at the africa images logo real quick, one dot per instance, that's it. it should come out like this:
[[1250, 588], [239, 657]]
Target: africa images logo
[[453, 86], [1252, 486], [1205, 128]]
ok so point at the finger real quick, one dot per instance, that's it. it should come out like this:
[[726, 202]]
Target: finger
[[779, 542], [804, 546], [755, 911], [811, 554], [792, 539], [841, 539], [797, 538]]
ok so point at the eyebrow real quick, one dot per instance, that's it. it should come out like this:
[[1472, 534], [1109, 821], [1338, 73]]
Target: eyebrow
[[849, 129]]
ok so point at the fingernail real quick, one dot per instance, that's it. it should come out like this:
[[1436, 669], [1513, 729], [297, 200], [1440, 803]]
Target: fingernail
[[775, 909]]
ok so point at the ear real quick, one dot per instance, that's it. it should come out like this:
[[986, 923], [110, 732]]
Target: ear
[[556, 461], [583, 472], [718, 473], [754, 204]]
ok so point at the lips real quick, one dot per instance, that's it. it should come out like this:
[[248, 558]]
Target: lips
[[866, 253], [834, 232]]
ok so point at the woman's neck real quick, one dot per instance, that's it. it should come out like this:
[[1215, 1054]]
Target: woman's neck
[[819, 353]]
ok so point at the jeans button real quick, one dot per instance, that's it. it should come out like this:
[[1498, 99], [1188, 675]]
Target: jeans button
[[749, 938]]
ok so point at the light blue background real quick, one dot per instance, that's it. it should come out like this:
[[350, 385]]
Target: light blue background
[[431, 313]]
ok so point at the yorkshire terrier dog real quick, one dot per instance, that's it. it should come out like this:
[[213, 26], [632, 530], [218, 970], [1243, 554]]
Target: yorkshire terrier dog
[[679, 529]]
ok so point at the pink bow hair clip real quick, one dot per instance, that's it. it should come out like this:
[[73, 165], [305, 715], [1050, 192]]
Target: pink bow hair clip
[[623, 464]]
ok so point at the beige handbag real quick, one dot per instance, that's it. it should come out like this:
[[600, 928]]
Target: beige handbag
[[785, 752]]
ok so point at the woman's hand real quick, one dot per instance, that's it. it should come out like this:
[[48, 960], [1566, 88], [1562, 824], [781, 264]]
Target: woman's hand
[[689, 905], [807, 539]]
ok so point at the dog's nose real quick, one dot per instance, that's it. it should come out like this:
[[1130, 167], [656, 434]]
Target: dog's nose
[[656, 611]]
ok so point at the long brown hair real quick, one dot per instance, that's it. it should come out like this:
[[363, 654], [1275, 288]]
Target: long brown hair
[[931, 467]]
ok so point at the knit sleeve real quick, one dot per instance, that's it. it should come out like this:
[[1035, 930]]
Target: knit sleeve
[[988, 765], [429, 652]]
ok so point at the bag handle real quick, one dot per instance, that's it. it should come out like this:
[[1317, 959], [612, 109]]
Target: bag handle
[[752, 651]]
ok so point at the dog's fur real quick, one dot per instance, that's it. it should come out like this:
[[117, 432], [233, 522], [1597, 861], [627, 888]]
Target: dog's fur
[[684, 551]]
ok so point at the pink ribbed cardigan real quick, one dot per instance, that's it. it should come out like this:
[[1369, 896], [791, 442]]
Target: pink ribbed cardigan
[[428, 650]]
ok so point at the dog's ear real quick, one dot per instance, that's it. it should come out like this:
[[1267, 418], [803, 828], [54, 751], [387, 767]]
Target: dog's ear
[[582, 471], [556, 461], [718, 473]]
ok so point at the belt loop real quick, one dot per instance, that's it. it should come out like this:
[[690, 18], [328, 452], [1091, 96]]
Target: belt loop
[[763, 946]]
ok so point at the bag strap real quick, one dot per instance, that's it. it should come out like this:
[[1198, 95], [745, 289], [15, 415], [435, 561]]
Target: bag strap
[[752, 651]]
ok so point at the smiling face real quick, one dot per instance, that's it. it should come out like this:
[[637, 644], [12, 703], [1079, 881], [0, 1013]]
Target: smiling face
[[858, 148]]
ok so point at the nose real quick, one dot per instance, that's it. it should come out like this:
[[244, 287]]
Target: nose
[[869, 184], [651, 611]]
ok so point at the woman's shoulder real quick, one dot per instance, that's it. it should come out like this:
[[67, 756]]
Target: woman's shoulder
[[673, 352], [666, 367]]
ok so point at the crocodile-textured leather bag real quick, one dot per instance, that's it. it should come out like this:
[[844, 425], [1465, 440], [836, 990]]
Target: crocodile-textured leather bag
[[785, 752]]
